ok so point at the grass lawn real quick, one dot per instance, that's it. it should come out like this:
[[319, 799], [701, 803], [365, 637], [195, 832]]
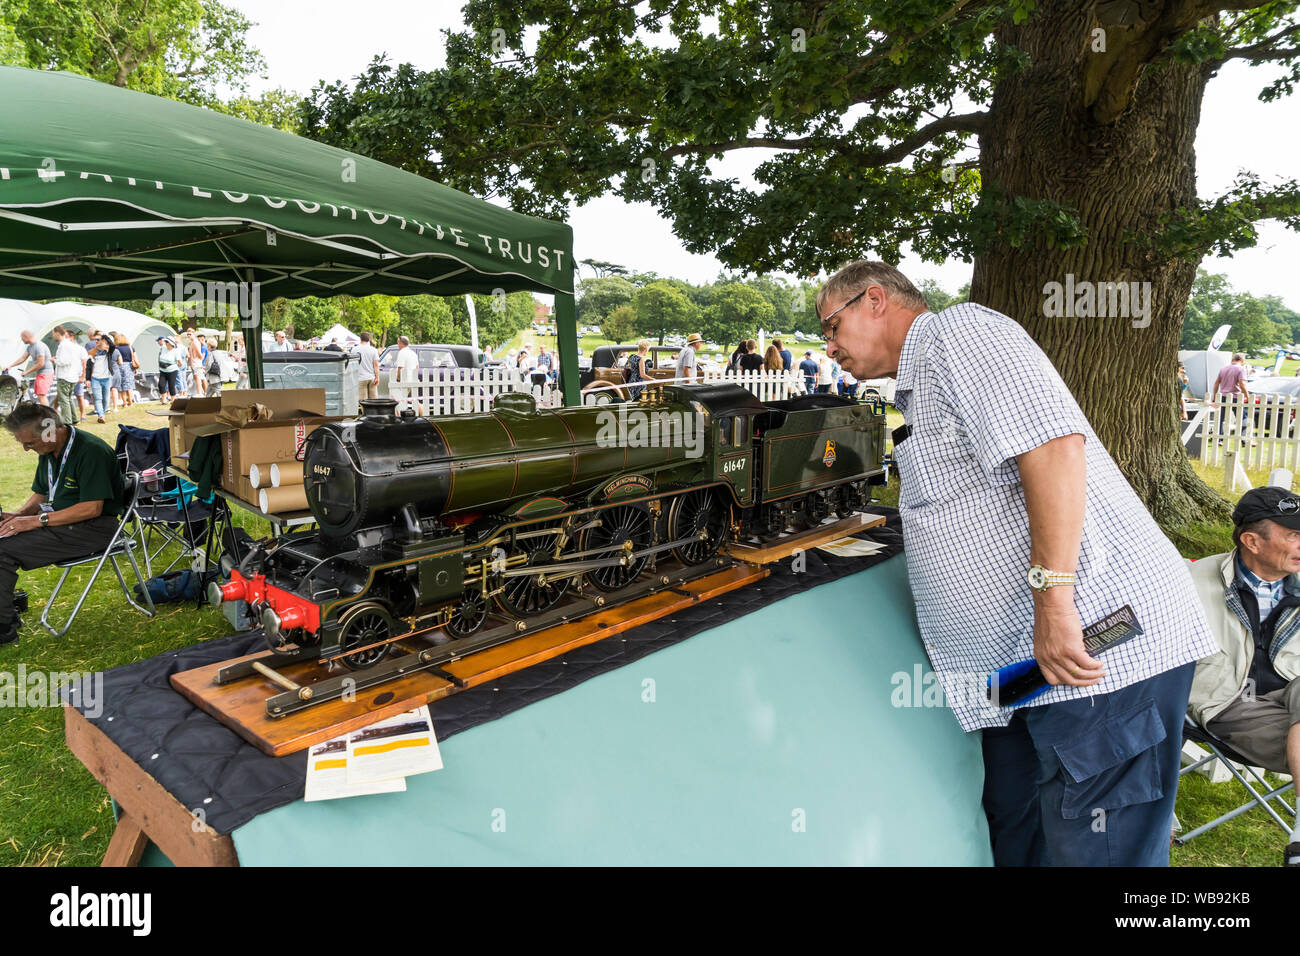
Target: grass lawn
[[53, 812]]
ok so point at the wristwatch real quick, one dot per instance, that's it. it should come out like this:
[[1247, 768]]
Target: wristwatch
[[1040, 579], [44, 519]]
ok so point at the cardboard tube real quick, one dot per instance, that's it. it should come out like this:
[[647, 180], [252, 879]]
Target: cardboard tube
[[259, 476], [277, 500], [282, 475]]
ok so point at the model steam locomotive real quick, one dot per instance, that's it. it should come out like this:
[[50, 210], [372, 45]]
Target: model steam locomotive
[[431, 524]]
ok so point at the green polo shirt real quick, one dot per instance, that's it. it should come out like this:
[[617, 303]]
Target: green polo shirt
[[91, 474]]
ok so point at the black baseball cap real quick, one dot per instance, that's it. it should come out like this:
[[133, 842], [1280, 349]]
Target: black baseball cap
[[1275, 504]]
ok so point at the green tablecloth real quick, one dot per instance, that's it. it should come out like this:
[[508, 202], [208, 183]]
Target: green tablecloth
[[773, 739]]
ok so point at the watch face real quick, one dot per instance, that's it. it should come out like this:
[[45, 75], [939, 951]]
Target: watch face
[[1037, 579]]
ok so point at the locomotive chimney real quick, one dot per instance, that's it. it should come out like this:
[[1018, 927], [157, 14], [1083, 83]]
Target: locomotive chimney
[[379, 407]]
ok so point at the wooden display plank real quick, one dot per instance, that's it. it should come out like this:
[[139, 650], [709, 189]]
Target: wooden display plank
[[814, 537], [241, 705], [147, 808]]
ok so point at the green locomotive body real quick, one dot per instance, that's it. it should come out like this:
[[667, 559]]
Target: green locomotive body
[[434, 523]]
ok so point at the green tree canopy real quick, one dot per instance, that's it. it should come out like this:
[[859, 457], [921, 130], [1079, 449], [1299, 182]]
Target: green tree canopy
[[620, 325], [601, 296], [1214, 303], [736, 311], [661, 310], [188, 50]]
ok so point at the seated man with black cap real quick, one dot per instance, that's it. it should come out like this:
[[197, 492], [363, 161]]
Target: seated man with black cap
[[1248, 694], [73, 511]]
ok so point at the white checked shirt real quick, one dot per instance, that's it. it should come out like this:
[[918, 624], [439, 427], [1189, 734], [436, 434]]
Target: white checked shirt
[[976, 392], [1267, 593]]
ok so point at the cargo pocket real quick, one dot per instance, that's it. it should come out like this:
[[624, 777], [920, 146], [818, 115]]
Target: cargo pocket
[[1115, 765]]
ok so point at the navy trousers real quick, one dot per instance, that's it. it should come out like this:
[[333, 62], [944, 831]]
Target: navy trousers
[[1088, 782]]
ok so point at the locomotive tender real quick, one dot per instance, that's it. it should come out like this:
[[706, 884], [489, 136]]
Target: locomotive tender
[[429, 523]]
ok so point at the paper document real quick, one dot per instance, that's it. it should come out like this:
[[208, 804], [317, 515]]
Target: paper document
[[396, 747], [327, 774]]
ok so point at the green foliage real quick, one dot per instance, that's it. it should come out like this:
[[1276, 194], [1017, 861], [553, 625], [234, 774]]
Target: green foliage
[[597, 298], [1213, 303], [850, 102], [620, 325], [372, 313], [662, 309], [307, 317], [735, 312], [182, 49], [429, 318]]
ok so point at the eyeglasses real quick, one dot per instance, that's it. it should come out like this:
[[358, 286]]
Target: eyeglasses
[[829, 332]]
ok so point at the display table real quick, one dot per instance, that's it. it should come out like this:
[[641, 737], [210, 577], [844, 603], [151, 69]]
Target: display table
[[779, 718]]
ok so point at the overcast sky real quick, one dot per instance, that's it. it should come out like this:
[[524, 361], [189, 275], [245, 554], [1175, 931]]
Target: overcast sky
[[305, 41]]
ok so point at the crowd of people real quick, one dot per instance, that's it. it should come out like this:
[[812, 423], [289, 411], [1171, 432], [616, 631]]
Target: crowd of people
[[103, 375]]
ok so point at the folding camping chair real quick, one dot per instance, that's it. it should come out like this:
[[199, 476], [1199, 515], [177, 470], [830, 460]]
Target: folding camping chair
[[173, 514], [122, 544], [1222, 752]]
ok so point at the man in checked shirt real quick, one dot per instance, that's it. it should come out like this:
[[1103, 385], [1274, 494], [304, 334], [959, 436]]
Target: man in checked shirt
[[1018, 530]]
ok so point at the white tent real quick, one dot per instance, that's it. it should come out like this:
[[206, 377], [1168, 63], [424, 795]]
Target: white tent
[[141, 331], [339, 332]]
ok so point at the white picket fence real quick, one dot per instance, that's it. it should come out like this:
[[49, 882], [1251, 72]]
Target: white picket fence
[[1261, 433], [462, 391]]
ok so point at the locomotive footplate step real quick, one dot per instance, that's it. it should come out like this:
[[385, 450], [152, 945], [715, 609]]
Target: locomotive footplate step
[[784, 547], [330, 701]]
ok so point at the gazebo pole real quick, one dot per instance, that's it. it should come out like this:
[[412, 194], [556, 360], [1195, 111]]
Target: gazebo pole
[[566, 331], [253, 342]]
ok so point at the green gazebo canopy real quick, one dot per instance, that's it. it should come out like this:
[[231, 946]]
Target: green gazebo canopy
[[107, 193]]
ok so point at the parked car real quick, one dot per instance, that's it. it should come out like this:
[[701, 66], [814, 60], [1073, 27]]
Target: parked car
[[433, 360], [608, 361]]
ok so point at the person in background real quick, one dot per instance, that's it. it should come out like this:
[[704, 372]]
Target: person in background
[[127, 389], [333, 346], [787, 357], [687, 367], [850, 385], [115, 369], [84, 386], [733, 363], [809, 369], [545, 365], [526, 362], [367, 368], [168, 371], [824, 379], [1182, 391], [1231, 381], [69, 372], [280, 344], [407, 375], [635, 369], [751, 361], [40, 367], [194, 362], [76, 498], [837, 387], [772, 359], [1247, 693], [99, 369]]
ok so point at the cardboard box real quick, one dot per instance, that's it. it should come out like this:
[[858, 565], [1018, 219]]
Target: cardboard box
[[184, 414], [296, 412]]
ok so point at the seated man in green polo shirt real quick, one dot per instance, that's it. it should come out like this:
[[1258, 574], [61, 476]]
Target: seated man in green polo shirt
[[74, 508]]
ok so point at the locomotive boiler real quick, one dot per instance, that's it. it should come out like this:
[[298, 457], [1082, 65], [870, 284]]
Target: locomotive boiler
[[436, 524]]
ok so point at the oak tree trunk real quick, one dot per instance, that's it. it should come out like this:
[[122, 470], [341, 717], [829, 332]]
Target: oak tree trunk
[[1118, 149]]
